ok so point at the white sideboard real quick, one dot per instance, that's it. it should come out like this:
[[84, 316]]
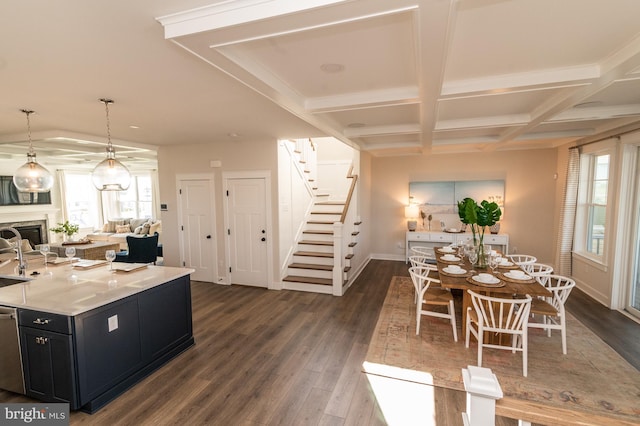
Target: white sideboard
[[435, 238]]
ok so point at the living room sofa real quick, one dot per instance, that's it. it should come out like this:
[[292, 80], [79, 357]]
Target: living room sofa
[[117, 230]]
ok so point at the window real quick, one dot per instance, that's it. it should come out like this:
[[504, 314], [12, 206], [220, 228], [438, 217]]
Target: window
[[135, 202], [591, 229], [81, 199]]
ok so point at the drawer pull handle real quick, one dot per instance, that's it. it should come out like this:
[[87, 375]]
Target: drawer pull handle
[[41, 340], [41, 321]]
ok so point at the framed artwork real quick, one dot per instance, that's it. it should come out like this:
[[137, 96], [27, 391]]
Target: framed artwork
[[442, 197]]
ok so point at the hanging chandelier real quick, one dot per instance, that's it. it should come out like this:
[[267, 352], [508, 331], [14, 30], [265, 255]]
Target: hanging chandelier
[[31, 176], [110, 174]]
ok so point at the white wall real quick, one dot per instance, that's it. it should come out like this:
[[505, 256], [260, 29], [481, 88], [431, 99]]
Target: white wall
[[193, 159]]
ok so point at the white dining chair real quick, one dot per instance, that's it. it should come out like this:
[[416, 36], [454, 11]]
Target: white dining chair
[[423, 261], [522, 259], [551, 310], [428, 295], [499, 315], [539, 271], [424, 251]]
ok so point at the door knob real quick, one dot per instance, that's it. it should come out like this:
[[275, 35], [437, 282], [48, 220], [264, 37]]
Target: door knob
[[208, 237], [263, 239]]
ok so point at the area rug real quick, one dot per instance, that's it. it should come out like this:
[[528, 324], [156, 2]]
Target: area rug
[[591, 378]]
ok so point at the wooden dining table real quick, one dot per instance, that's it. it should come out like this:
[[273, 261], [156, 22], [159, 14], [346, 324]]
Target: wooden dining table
[[464, 282]]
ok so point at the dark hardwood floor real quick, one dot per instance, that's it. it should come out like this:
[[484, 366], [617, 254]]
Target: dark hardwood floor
[[284, 357]]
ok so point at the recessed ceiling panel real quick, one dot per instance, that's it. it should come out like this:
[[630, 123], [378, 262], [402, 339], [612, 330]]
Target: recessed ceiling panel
[[381, 116], [370, 54]]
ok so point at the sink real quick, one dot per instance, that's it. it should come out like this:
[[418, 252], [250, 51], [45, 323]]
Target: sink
[[7, 281]]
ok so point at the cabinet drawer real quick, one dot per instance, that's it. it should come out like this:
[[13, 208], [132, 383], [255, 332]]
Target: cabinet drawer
[[44, 321], [496, 239], [442, 237], [417, 236]]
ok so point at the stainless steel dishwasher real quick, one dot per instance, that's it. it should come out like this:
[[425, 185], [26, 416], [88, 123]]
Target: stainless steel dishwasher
[[11, 374]]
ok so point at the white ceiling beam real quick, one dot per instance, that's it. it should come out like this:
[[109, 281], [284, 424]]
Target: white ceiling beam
[[596, 113], [232, 12], [519, 82], [371, 131], [482, 122]]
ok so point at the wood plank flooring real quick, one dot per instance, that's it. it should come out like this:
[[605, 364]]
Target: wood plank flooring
[[281, 357]]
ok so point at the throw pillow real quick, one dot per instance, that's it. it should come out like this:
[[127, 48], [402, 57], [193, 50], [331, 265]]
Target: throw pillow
[[105, 227], [156, 227], [145, 228], [26, 246], [138, 230], [122, 229], [113, 223]]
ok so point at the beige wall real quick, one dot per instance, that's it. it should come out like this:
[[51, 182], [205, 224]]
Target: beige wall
[[195, 159], [530, 199]]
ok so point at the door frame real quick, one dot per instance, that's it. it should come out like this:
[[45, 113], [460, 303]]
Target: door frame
[[212, 208], [254, 174]]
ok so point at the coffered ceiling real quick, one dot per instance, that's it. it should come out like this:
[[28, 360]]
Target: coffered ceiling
[[389, 77]]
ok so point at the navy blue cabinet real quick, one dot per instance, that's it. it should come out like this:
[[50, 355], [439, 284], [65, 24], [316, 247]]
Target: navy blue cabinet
[[91, 358]]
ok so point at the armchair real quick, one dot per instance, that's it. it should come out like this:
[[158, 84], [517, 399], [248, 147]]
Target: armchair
[[141, 250]]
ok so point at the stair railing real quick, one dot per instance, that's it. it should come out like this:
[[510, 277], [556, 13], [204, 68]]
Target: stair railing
[[342, 232]]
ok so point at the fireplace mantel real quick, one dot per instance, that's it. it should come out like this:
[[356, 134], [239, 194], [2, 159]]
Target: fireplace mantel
[[10, 214]]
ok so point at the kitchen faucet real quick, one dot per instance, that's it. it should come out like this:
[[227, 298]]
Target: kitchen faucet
[[22, 265]]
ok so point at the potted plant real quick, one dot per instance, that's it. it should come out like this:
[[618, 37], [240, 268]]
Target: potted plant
[[67, 229], [479, 216]]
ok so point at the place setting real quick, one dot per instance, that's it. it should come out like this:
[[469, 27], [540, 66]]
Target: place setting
[[517, 276], [486, 280], [455, 271], [450, 258]]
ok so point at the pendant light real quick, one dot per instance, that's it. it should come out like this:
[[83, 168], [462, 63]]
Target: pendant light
[[31, 176], [110, 174]]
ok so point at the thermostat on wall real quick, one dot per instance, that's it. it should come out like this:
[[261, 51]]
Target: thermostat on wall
[[163, 207]]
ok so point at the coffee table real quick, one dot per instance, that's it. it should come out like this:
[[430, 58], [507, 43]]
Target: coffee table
[[93, 251]]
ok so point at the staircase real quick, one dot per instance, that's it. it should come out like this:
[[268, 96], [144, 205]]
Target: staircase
[[313, 266]]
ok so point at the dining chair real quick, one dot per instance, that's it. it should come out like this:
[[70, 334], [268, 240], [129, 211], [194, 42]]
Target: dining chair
[[423, 261], [428, 295], [551, 309], [424, 251], [498, 315], [522, 259], [539, 271]]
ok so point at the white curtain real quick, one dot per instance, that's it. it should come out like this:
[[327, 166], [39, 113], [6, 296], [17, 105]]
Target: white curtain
[[568, 214], [62, 181]]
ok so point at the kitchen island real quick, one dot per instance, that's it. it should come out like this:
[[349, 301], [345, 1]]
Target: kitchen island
[[87, 335]]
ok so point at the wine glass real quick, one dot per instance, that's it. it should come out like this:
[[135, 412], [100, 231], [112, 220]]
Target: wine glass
[[493, 262], [70, 252], [473, 256], [44, 249], [110, 255]]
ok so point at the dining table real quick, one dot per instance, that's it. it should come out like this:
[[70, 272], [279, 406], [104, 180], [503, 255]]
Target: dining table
[[507, 285]]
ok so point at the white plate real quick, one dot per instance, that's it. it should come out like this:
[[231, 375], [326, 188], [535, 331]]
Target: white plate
[[456, 271], [520, 277], [86, 264], [505, 264], [128, 267], [493, 280], [446, 250], [450, 259]]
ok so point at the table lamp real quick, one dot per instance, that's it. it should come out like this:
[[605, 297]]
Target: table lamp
[[411, 212]]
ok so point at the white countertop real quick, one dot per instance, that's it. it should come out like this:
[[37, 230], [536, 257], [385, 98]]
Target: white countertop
[[69, 291]]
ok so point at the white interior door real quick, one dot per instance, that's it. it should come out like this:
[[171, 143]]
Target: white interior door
[[247, 231], [196, 228]]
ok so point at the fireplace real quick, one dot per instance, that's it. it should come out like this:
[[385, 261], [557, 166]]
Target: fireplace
[[34, 230]]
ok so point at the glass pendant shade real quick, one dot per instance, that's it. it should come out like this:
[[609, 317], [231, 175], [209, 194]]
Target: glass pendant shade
[[111, 175], [31, 176]]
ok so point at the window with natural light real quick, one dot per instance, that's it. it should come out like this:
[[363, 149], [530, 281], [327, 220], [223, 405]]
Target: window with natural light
[[81, 200], [592, 211]]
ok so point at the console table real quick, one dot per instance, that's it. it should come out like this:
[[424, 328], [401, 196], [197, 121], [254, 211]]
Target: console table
[[439, 238]]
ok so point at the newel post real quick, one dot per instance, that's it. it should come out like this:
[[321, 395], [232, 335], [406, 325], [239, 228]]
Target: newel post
[[483, 390]]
